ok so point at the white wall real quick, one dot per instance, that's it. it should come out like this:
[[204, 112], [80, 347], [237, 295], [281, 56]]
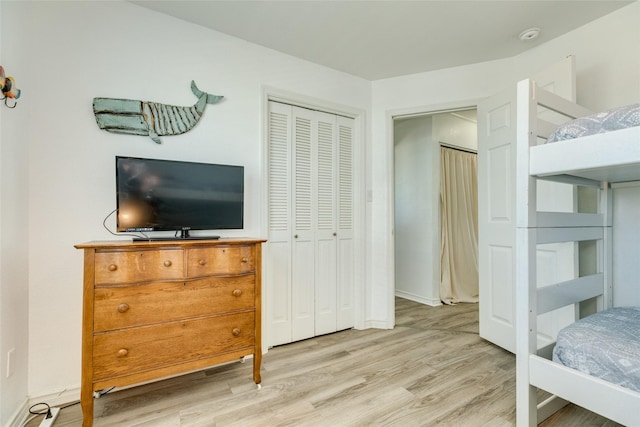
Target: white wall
[[68, 53], [626, 250], [416, 211], [455, 130], [607, 55], [608, 75], [14, 233]]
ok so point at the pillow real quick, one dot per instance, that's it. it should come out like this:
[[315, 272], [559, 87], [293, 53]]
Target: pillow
[[614, 119]]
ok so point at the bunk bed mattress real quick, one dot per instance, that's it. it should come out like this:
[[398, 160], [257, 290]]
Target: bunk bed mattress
[[605, 345], [614, 119]]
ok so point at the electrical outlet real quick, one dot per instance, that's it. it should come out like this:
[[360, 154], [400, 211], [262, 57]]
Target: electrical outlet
[[48, 421]]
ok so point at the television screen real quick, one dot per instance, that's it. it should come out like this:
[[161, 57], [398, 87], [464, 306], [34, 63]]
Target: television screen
[[157, 195]]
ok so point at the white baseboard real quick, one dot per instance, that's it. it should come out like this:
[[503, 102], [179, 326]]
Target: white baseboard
[[378, 324], [57, 399], [19, 416], [70, 395], [417, 298], [387, 324]]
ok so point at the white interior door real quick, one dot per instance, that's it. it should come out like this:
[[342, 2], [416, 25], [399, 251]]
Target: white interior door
[[346, 260], [277, 253], [303, 206], [496, 217], [325, 225], [496, 213]]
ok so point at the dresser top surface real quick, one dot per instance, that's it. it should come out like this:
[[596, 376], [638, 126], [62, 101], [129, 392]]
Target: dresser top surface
[[158, 243]]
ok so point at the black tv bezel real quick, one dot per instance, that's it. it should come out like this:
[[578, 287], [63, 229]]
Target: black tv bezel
[[183, 229]]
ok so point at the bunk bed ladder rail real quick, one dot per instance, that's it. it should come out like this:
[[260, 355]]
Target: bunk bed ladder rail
[[534, 228]]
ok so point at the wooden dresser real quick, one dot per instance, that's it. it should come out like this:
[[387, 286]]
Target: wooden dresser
[[161, 308]]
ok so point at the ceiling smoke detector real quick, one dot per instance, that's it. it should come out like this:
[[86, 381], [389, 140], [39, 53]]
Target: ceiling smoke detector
[[529, 34]]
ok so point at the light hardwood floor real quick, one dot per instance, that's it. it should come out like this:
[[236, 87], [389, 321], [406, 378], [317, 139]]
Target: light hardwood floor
[[432, 369]]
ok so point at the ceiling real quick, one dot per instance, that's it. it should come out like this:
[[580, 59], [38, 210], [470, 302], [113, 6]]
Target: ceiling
[[381, 39]]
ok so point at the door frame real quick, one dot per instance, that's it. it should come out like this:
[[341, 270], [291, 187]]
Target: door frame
[[270, 93], [390, 118], [432, 251]]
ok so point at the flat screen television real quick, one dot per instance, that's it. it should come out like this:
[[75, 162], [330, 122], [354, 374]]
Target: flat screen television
[[163, 195]]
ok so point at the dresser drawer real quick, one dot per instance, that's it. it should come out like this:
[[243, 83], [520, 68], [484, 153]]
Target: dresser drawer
[[220, 260], [130, 267], [126, 306], [149, 347]]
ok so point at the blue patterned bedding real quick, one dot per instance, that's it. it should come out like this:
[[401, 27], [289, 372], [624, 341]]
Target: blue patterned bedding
[[614, 119], [605, 345]]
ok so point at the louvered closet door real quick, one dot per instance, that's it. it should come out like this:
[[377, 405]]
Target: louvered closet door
[[277, 276], [325, 224], [345, 246], [303, 207], [333, 191], [311, 289]]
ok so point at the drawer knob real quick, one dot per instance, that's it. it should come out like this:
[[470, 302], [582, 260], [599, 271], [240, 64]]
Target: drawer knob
[[245, 260], [123, 308], [202, 261], [236, 292], [113, 267], [123, 352], [236, 332], [167, 263]]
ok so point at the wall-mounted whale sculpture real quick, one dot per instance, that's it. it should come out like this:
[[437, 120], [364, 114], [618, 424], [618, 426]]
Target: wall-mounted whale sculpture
[[150, 118]]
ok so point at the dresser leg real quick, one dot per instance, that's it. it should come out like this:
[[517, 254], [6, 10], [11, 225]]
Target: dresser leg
[[86, 403], [257, 360]]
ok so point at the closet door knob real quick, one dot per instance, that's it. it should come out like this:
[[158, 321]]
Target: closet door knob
[[295, 236], [335, 234], [123, 308]]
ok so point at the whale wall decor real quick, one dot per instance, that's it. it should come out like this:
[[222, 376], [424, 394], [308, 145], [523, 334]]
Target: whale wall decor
[[150, 118]]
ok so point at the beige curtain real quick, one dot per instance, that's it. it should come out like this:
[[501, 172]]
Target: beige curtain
[[459, 231]]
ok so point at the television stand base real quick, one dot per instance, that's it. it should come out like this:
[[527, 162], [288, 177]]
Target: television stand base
[[162, 239]]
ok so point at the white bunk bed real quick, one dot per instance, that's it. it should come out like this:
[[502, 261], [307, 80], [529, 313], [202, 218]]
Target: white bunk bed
[[597, 161]]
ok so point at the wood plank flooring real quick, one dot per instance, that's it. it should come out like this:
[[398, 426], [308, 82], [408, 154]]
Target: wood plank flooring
[[432, 369]]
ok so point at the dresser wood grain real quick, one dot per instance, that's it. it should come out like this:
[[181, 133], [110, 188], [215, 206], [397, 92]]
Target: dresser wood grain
[[161, 308]]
